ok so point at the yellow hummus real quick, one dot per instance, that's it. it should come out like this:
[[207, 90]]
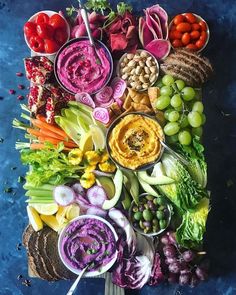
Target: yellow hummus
[[135, 141]]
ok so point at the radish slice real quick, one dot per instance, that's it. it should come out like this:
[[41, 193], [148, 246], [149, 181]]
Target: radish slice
[[96, 211], [101, 115], [104, 105], [118, 85], [63, 195], [96, 195], [85, 98], [78, 189], [83, 203], [160, 48], [104, 95]]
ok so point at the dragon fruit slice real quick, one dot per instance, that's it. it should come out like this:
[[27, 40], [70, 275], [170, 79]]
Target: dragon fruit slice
[[38, 69], [160, 48]]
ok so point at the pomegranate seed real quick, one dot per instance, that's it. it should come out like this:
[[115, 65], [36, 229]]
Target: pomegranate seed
[[12, 91], [20, 86], [20, 97], [19, 74]]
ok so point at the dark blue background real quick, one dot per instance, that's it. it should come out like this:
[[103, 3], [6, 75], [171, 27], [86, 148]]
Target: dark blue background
[[219, 138]]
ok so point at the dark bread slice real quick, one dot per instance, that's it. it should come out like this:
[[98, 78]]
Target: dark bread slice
[[51, 252]]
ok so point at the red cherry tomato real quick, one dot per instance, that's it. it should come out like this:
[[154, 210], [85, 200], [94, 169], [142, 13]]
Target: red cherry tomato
[[183, 27], [177, 43], [203, 36], [50, 46], [175, 35], [186, 38], [192, 47], [60, 36], [196, 27], [191, 18], [56, 21], [203, 25], [30, 29], [200, 44], [45, 31], [36, 44], [172, 28], [195, 35], [178, 19], [41, 18]]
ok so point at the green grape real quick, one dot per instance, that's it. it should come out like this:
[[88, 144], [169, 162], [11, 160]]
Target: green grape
[[171, 128], [203, 119], [198, 106], [172, 139], [173, 116], [176, 101], [167, 112], [195, 119], [180, 84], [183, 121], [185, 137], [168, 80], [197, 131], [188, 93], [179, 109], [167, 90], [162, 102]]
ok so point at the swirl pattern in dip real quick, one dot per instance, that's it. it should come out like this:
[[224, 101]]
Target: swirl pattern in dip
[[88, 241], [79, 69]]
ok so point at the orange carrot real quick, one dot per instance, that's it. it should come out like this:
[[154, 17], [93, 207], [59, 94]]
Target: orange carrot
[[34, 132], [40, 124], [56, 141], [46, 132]]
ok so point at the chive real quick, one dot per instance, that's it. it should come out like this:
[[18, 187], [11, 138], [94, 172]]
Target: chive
[[8, 190], [21, 179]]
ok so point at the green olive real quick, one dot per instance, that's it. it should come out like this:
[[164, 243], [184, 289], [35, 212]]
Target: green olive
[[149, 197], [155, 229], [161, 208], [155, 221], [147, 215], [135, 209], [159, 214], [146, 230], [160, 201], [141, 224], [146, 206], [163, 224], [138, 215]]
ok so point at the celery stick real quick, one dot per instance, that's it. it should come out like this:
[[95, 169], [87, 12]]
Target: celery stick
[[44, 187], [37, 201], [39, 193]]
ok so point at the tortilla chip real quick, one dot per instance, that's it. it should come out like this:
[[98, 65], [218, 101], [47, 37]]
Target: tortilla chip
[[141, 108], [115, 108], [153, 94], [127, 102]]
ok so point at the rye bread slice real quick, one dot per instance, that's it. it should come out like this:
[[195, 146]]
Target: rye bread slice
[[51, 252]]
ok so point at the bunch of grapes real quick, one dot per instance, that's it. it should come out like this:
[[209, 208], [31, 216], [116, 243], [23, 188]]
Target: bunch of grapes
[[182, 266], [182, 109]]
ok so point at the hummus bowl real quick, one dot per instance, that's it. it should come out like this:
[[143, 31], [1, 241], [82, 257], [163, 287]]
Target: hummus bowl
[[133, 141], [88, 240], [78, 69]]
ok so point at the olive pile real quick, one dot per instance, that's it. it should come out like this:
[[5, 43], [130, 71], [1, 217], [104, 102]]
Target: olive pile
[[151, 215]]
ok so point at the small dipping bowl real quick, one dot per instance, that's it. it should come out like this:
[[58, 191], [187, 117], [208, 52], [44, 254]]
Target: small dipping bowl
[[114, 123], [99, 45], [138, 229], [101, 269]]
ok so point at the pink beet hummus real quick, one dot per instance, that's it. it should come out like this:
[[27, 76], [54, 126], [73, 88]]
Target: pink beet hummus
[[79, 70]]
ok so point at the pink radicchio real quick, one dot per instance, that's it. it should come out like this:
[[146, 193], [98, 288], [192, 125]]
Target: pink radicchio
[[156, 275], [85, 98], [153, 31]]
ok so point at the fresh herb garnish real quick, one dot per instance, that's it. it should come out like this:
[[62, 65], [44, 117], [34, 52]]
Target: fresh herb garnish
[[98, 5], [107, 253], [8, 190], [21, 179], [91, 251], [70, 10], [122, 7]]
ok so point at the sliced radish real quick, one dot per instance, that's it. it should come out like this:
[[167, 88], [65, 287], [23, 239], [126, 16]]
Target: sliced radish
[[96, 195], [64, 195], [82, 202], [85, 98], [102, 115], [118, 85], [160, 48], [96, 211], [78, 189]]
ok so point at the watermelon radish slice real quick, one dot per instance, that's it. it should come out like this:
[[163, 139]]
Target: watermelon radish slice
[[160, 48], [96, 195], [96, 211], [64, 195], [78, 189]]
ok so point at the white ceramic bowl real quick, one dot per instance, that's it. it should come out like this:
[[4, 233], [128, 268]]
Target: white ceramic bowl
[[49, 13], [199, 18], [89, 273]]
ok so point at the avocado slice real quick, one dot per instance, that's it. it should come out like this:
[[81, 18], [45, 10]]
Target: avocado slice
[[108, 185], [126, 202], [132, 185], [159, 180], [148, 188], [118, 182]]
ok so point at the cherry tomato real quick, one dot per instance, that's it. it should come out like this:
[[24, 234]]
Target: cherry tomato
[[196, 27], [172, 28], [36, 44], [45, 31], [178, 19], [56, 21], [30, 29], [203, 36], [203, 25], [175, 35], [186, 38], [200, 44], [191, 18], [177, 43], [60, 36], [50, 46], [41, 18], [195, 35], [183, 27], [192, 47]]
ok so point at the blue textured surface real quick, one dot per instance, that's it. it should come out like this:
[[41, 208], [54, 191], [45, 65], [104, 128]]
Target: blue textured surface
[[219, 138]]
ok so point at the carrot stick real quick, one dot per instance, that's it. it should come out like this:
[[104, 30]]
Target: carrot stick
[[41, 124], [34, 132], [56, 141], [48, 133]]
